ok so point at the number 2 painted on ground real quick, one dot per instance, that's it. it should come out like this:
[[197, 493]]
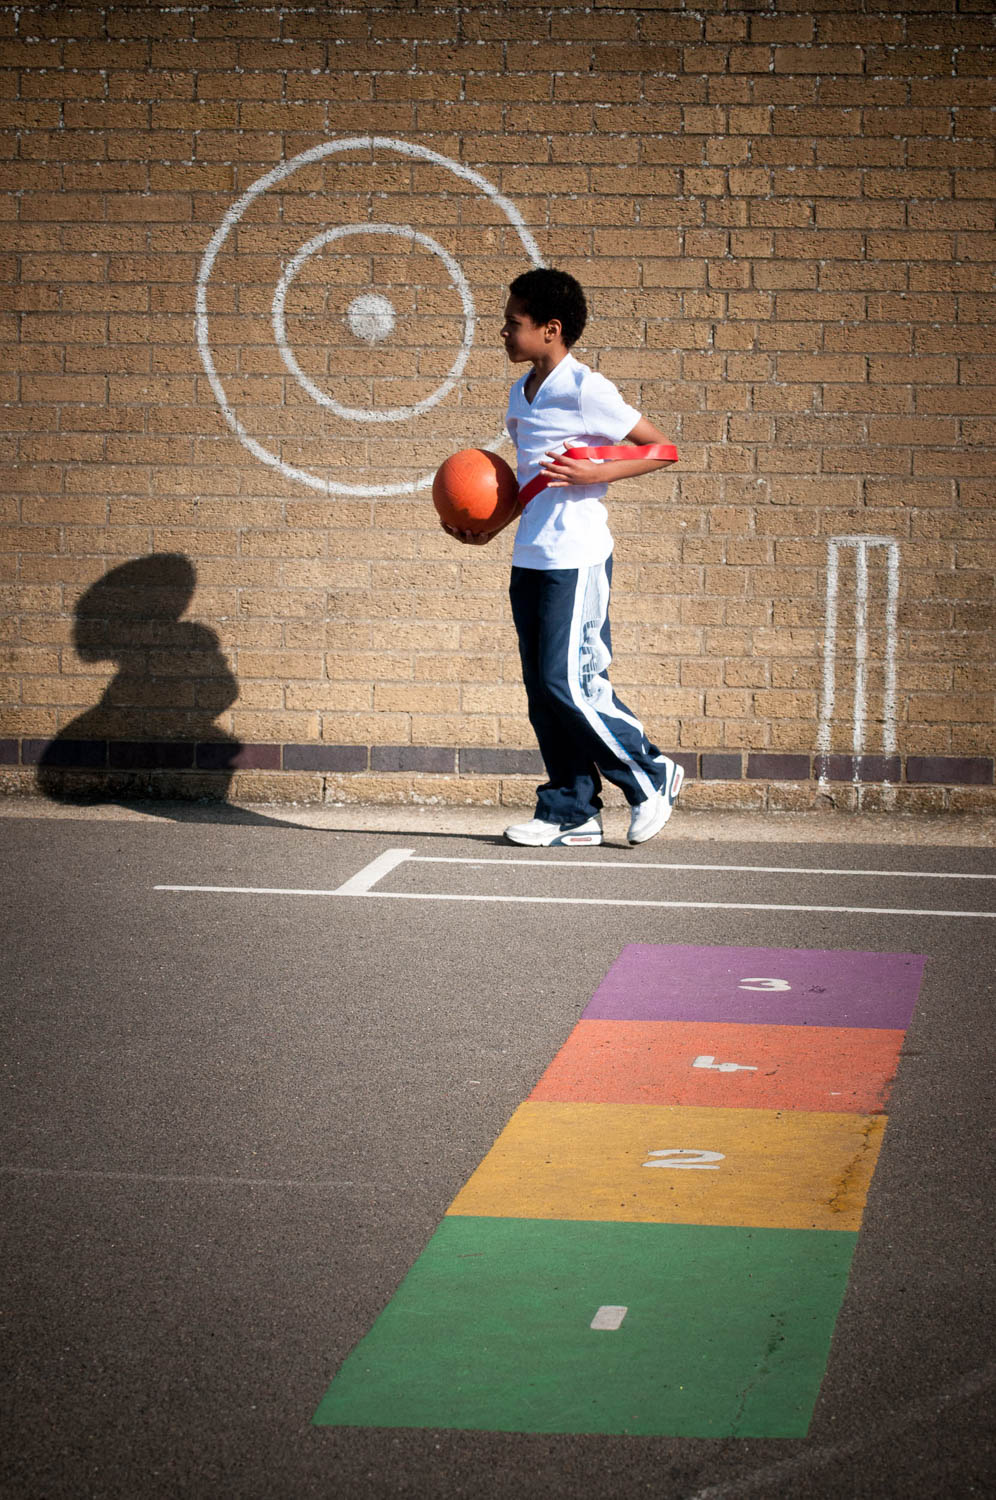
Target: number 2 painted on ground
[[686, 1159]]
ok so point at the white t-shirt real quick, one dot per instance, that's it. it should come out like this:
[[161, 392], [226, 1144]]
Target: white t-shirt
[[565, 528]]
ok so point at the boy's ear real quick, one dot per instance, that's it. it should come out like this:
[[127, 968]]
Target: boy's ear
[[554, 329]]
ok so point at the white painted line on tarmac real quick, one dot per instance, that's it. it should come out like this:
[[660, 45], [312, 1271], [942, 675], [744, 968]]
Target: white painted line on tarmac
[[611, 864], [360, 883], [248, 890], [184, 1179], [871, 911], [363, 882], [357, 885]]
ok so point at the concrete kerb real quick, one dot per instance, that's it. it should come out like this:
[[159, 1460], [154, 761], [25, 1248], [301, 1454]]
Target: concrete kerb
[[953, 830], [266, 788]]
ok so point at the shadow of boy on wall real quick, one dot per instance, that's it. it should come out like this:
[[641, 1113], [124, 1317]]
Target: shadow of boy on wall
[[157, 716]]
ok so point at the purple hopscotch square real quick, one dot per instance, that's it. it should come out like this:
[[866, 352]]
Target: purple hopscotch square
[[770, 986]]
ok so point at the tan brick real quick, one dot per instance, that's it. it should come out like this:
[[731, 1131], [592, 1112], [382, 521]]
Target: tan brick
[[437, 667], [395, 697], [739, 734], [319, 697], [254, 727], [280, 664], [972, 800], [788, 796], [947, 708], [394, 789], [745, 673], [720, 795]]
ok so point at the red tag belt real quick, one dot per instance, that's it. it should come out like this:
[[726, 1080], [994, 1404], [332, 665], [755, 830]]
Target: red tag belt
[[665, 453]]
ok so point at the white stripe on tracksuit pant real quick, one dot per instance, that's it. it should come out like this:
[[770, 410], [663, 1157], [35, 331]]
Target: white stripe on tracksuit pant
[[561, 616]]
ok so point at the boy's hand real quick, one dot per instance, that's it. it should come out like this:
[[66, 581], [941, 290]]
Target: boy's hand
[[561, 470], [472, 538]]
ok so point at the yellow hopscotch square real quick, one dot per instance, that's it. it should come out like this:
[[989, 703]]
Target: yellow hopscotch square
[[678, 1164]]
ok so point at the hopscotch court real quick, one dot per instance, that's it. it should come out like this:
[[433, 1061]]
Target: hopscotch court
[[660, 1239]]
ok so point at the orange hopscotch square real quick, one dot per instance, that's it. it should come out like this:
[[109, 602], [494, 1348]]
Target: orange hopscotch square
[[731, 1066]]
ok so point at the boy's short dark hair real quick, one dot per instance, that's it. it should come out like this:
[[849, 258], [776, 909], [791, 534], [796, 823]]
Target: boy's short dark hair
[[546, 294]]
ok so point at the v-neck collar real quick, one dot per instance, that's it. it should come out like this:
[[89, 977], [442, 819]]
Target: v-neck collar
[[531, 400]]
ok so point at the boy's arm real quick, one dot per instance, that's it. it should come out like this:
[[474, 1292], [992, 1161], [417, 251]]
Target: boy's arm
[[561, 470]]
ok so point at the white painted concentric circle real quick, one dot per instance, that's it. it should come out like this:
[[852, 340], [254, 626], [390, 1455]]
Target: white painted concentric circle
[[379, 313], [371, 414]]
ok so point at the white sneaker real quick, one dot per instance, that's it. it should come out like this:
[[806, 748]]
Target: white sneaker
[[541, 834], [649, 817]]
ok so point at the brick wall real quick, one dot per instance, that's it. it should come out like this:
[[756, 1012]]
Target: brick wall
[[221, 566]]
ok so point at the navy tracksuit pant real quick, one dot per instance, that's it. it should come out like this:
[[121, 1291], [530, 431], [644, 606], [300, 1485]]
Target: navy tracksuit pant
[[584, 731]]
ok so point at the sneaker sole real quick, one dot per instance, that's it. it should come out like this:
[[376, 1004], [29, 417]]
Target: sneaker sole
[[570, 840], [677, 781]]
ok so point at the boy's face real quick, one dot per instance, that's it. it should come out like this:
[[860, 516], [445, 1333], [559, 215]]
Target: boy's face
[[524, 340]]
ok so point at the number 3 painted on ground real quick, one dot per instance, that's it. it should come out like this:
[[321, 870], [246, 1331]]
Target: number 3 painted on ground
[[686, 1159]]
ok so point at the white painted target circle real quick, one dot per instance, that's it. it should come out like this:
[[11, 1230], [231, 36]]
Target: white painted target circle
[[375, 309], [370, 316]]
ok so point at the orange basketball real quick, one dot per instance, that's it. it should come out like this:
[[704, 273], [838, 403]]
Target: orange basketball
[[475, 491]]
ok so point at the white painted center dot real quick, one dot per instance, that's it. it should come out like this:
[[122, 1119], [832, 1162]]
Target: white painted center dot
[[371, 317]]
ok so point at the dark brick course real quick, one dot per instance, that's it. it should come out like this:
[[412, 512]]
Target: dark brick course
[[229, 755], [90, 754], [326, 757], [770, 767], [159, 755], [859, 767], [480, 760], [721, 767], [962, 770], [431, 759]]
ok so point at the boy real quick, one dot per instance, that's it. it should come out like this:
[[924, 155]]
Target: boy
[[561, 574]]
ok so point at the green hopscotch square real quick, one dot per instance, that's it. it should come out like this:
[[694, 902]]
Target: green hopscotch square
[[726, 1333]]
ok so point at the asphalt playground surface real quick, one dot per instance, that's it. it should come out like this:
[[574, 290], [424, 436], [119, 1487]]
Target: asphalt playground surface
[[231, 1122]]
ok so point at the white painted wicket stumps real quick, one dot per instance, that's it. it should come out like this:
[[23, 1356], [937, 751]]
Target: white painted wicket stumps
[[861, 547]]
